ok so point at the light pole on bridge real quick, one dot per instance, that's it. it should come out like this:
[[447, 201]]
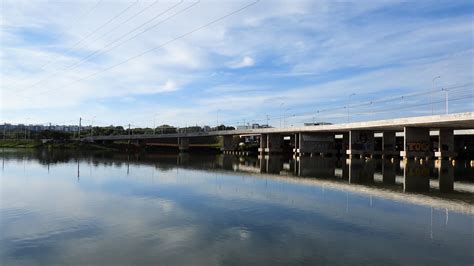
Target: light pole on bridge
[[431, 94]]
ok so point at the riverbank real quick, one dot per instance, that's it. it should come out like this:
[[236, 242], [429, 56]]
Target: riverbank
[[88, 146], [35, 144]]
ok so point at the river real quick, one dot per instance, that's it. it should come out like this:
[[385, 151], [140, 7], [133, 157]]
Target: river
[[68, 208]]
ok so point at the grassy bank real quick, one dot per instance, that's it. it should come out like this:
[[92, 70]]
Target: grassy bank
[[34, 144]]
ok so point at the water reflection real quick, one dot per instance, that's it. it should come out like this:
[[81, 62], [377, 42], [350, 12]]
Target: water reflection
[[104, 208]]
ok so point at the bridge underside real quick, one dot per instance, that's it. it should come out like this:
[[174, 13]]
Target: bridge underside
[[417, 137]]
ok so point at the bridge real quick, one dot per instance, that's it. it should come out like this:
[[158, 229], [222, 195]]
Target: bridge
[[358, 139]]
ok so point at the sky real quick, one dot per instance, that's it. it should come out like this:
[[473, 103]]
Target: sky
[[183, 63]]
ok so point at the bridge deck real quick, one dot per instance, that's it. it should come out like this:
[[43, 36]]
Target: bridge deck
[[454, 121]]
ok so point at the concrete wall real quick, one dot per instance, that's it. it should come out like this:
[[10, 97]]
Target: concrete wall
[[316, 143]]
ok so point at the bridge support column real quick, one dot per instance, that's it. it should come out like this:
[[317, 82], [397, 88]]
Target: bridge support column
[[316, 143], [229, 143], [273, 143], [417, 143], [263, 143], [389, 141], [361, 143], [183, 144], [446, 144], [297, 143]]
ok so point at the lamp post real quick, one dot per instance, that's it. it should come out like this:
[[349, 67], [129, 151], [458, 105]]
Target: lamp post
[[446, 94], [284, 116], [431, 94]]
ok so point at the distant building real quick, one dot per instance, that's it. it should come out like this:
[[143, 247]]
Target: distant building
[[37, 128]]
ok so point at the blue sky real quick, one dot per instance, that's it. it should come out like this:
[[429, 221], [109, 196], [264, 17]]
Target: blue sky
[[288, 60]]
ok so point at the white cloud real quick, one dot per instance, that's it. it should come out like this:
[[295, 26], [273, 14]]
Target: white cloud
[[247, 61], [300, 46]]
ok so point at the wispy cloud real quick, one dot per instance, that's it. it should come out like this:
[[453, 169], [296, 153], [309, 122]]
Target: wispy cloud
[[303, 53]]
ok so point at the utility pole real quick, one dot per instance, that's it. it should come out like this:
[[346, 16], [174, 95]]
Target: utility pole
[[446, 93], [4, 130], [80, 121], [267, 120], [129, 131]]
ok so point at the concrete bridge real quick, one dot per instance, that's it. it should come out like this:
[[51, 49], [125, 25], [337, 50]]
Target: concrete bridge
[[358, 139]]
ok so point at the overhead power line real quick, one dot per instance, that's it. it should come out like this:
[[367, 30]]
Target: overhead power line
[[157, 47], [76, 44], [95, 31], [95, 53], [405, 97]]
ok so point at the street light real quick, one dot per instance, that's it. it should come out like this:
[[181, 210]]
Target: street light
[[348, 107], [284, 116], [446, 93], [431, 94]]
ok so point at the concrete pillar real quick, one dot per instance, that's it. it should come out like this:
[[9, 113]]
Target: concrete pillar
[[183, 144], [316, 143], [273, 143], [389, 141], [297, 143], [263, 143], [445, 175], [361, 143], [229, 143], [417, 143], [445, 144], [416, 176]]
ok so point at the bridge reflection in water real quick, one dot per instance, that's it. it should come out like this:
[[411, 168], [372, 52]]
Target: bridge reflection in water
[[439, 183], [436, 183], [111, 208]]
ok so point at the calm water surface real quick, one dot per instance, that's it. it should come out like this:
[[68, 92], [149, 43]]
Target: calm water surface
[[110, 209]]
